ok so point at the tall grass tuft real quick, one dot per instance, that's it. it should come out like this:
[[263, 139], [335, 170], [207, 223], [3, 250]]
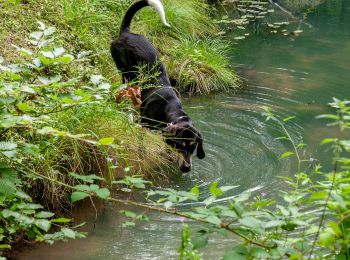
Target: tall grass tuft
[[96, 22], [92, 24], [136, 152], [202, 66]]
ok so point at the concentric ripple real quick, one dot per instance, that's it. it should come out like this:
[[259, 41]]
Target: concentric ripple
[[241, 147], [294, 78]]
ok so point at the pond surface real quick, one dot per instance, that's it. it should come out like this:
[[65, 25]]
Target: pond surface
[[294, 77]]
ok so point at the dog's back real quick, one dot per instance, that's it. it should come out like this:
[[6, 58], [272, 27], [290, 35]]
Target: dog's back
[[160, 105], [133, 54]]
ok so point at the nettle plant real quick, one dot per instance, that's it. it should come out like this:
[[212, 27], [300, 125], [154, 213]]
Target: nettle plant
[[32, 92], [310, 220]]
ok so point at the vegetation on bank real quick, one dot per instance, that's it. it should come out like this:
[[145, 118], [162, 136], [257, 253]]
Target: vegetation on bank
[[310, 220], [60, 126], [90, 25], [63, 139]]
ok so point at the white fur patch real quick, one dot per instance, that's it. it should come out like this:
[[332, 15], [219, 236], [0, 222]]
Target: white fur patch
[[156, 4]]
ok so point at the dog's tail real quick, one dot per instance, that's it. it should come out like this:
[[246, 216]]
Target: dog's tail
[[156, 4]]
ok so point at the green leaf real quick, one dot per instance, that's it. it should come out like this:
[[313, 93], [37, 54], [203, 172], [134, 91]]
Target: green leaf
[[27, 89], [23, 195], [61, 220], [168, 204], [68, 233], [286, 154], [328, 140], [229, 213], [195, 190], [6, 146], [227, 188], [329, 116], [96, 79], [82, 187], [129, 214], [65, 59], [335, 227], [259, 253], [49, 31], [44, 214], [42, 26], [282, 138], [200, 241], [78, 195], [214, 190], [213, 220], [142, 217], [24, 107], [94, 187], [7, 187], [48, 54], [128, 224], [106, 141], [50, 80], [209, 200], [36, 35], [319, 195], [43, 224], [103, 193], [87, 178], [5, 246], [10, 154], [326, 238], [288, 118], [237, 253], [29, 206], [250, 222], [8, 181]]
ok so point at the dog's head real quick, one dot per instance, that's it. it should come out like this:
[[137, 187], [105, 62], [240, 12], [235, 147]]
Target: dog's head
[[185, 138]]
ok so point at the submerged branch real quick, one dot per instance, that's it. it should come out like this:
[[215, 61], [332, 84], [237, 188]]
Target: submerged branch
[[289, 13], [172, 211]]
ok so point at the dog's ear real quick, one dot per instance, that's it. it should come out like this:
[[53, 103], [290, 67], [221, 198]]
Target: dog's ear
[[169, 130], [200, 151]]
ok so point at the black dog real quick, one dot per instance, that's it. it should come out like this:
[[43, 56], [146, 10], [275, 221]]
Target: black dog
[[160, 108]]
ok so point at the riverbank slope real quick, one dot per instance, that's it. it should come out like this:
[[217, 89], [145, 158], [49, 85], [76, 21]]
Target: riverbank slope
[[60, 125]]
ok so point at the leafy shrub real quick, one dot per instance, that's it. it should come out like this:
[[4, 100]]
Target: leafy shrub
[[310, 220], [30, 92], [54, 118]]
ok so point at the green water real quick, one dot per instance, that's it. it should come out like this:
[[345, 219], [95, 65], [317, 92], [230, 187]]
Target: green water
[[293, 76]]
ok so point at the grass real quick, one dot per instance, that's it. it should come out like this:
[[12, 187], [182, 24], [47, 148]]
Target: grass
[[136, 152], [91, 24], [203, 67], [196, 61]]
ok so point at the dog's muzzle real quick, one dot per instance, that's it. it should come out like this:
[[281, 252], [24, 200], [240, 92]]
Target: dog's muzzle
[[185, 162]]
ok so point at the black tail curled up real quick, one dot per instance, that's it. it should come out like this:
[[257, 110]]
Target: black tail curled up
[[135, 7]]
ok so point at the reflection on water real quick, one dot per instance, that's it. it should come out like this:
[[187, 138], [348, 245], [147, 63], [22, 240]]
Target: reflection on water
[[294, 78]]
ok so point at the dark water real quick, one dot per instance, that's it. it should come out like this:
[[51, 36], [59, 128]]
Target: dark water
[[293, 76]]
